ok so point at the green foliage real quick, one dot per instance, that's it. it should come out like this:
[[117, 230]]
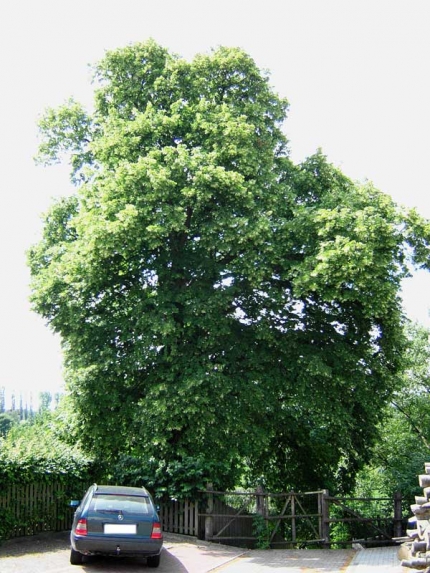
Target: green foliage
[[378, 510], [261, 529], [34, 452], [219, 306], [6, 423], [411, 402], [50, 511], [403, 446], [2, 399], [45, 399], [183, 478]]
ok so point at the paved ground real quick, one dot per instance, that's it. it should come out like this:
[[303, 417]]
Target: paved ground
[[379, 560], [50, 554]]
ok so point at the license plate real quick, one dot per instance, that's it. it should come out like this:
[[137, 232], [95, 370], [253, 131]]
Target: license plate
[[131, 529]]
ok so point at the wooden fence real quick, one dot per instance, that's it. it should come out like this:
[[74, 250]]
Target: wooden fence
[[180, 517], [292, 519], [300, 519], [34, 508], [38, 507]]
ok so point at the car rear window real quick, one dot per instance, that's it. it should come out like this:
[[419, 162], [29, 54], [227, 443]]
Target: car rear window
[[127, 504]]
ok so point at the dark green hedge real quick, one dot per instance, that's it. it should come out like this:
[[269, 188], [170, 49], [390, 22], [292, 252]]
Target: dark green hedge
[[39, 474]]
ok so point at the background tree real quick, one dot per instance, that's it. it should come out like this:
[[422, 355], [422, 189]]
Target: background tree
[[2, 399], [6, 423], [219, 306], [45, 401], [412, 401], [404, 445]]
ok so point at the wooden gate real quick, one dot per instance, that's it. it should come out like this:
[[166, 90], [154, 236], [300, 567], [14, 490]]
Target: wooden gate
[[180, 517], [291, 518], [283, 520], [370, 521]]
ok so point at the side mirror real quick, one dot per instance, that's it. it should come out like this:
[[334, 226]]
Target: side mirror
[[74, 503]]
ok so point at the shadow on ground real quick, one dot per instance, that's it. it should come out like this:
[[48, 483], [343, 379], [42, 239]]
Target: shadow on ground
[[169, 563], [47, 547], [41, 543]]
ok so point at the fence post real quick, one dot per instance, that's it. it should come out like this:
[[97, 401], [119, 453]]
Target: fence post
[[398, 514], [209, 523], [325, 518], [293, 517], [261, 502]]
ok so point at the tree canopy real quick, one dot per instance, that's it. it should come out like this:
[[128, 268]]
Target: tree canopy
[[218, 304]]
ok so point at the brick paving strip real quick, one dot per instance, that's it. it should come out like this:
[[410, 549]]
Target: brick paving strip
[[378, 560]]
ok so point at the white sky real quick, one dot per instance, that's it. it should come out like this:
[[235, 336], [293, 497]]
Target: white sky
[[356, 73]]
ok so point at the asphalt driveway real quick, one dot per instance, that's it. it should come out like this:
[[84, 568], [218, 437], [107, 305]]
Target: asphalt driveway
[[49, 553]]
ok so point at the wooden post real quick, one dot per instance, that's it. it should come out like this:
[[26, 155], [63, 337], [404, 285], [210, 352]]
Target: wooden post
[[398, 514], [325, 517], [293, 518], [260, 502], [209, 523]]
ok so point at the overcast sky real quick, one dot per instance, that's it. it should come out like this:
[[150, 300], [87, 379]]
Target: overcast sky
[[356, 74]]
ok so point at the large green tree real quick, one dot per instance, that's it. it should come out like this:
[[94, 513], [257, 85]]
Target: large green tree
[[217, 304]]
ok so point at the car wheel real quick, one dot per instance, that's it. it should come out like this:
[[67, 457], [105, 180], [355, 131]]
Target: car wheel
[[76, 558], [153, 561]]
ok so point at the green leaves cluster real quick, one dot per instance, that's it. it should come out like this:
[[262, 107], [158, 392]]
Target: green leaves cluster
[[35, 452], [6, 423], [38, 452], [217, 302], [180, 478], [403, 446]]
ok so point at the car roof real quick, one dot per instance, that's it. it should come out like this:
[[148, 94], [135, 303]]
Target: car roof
[[120, 490]]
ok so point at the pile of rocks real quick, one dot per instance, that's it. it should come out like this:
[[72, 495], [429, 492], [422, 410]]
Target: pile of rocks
[[417, 548]]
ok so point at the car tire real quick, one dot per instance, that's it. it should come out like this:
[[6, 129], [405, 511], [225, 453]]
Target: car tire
[[153, 561], [76, 558]]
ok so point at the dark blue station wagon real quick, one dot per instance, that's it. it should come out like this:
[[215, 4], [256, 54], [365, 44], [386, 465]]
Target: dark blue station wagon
[[116, 520]]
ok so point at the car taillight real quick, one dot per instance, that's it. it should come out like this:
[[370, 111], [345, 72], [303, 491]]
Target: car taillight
[[156, 531], [81, 527]]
